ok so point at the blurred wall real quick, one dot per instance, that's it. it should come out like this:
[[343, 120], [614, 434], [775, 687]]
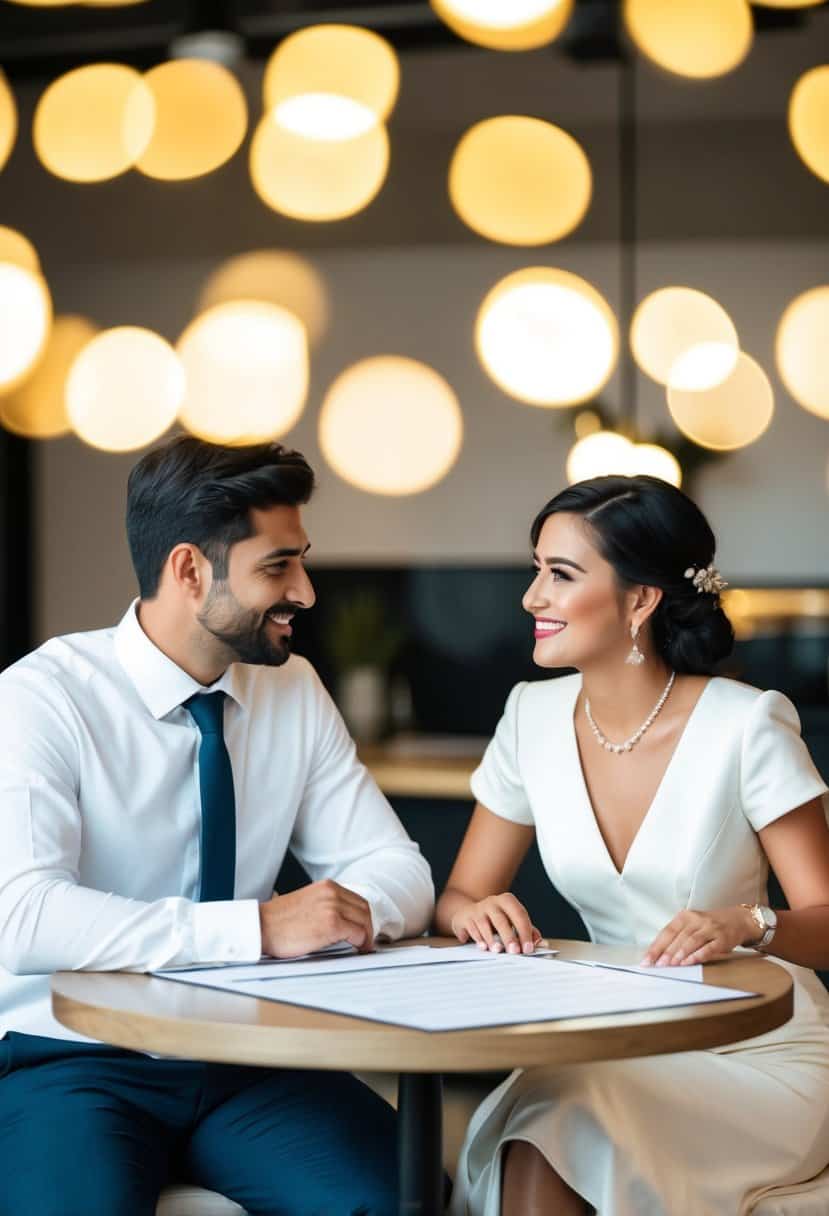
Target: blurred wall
[[768, 503]]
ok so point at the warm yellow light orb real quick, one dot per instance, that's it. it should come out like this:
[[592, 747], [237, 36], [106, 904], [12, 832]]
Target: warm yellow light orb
[[683, 336], [247, 372], [37, 408], [521, 181], [732, 414], [200, 119], [787, 3], [809, 120], [598, 455], [655, 461], [124, 389], [391, 425], [94, 122], [8, 120], [547, 337], [331, 81], [519, 25], [698, 38], [317, 179], [18, 249], [802, 350], [25, 320], [276, 276]]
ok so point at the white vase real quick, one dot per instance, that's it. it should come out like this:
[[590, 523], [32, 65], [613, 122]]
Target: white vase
[[362, 701]]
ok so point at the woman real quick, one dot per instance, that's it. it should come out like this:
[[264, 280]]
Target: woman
[[658, 795]]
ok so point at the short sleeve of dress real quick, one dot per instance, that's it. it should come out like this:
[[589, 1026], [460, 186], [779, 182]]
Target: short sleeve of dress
[[777, 774], [496, 783]]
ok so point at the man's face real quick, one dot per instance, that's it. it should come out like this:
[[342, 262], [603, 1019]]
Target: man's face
[[250, 611]]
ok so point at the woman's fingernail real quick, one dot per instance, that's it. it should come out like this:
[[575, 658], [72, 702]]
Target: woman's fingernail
[[529, 948], [514, 948], [647, 961], [678, 958], [497, 947], [662, 960], [481, 945]]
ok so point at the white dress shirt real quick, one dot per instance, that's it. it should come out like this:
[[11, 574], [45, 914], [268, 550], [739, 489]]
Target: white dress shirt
[[100, 814]]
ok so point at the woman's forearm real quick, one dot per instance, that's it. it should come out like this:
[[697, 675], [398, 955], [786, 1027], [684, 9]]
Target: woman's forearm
[[802, 937], [450, 902]]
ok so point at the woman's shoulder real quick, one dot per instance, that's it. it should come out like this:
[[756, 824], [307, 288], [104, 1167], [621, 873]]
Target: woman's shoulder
[[545, 695], [745, 699]]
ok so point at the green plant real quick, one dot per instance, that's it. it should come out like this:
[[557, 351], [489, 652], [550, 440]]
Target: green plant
[[361, 634]]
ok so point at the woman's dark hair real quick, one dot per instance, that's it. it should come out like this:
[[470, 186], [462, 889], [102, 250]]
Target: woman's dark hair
[[651, 533], [191, 491]]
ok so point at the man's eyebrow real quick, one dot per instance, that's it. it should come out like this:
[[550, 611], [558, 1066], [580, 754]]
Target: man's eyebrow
[[560, 561], [276, 554]]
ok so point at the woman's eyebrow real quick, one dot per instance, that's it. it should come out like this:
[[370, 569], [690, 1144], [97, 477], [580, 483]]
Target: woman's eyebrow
[[560, 561]]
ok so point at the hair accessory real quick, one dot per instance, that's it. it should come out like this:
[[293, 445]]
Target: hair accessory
[[706, 578]]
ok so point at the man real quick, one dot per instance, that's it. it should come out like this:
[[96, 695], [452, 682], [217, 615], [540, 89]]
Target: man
[[152, 777]]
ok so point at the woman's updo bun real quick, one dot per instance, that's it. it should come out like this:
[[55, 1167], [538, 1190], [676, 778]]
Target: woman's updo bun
[[651, 533]]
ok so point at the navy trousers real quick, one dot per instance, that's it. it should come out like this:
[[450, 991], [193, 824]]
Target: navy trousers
[[97, 1131]]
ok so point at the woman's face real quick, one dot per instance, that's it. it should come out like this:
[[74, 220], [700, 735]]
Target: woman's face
[[581, 614]]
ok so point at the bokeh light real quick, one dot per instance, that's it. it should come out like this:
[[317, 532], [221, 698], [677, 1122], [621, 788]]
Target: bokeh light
[[391, 425], [520, 25], [124, 389], [37, 407], [730, 415], [547, 337], [520, 180], [25, 320], [94, 122], [684, 337], [8, 119], [599, 454], [655, 461], [802, 350], [247, 372], [697, 38], [18, 249], [331, 82], [317, 179], [200, 119], [809, 120], [276, 276]]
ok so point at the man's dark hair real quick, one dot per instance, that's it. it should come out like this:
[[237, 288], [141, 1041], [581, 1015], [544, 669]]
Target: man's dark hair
[[189, 491]]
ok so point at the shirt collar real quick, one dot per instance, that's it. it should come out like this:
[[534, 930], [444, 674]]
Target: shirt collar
[[161, 684]]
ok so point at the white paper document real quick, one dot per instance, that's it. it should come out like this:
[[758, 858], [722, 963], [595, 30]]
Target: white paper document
[[325, 962], [478, 989]]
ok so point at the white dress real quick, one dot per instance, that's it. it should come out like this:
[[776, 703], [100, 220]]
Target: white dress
[[702, 1133]]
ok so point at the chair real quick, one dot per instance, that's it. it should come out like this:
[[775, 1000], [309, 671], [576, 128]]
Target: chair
[[806, 1199], [183, 1200]]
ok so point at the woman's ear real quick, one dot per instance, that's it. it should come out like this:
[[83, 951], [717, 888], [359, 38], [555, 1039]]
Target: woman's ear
[[646, 602]]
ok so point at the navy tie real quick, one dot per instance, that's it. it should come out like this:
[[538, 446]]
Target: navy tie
[[218, 804]]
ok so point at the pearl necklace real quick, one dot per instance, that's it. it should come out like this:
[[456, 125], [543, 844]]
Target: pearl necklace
[[630, 743]]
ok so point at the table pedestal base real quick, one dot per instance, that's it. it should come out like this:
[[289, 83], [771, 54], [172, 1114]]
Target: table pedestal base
[[420, 1144]]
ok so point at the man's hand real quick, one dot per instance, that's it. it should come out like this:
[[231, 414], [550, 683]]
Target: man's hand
[[313, 917], [500, 922]]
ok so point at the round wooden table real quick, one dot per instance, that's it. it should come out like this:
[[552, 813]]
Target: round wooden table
[[154, 1015]]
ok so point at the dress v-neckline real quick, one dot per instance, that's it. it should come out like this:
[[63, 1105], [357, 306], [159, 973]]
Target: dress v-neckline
[[649, 813]]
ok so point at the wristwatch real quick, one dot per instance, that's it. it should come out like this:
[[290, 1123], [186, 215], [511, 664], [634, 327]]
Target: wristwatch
[[766, 921]]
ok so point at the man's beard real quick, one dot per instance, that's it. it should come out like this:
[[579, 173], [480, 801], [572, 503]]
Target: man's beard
[[244, 631]]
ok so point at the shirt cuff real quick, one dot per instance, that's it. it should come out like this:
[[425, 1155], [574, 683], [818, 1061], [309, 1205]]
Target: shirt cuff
[[227, 931], [386, 921]]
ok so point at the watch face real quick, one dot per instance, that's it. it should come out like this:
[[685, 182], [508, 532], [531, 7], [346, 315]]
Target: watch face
[[769, 917]]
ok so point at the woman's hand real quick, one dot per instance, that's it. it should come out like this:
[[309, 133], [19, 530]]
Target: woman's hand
[[697, 937], [499, 922]]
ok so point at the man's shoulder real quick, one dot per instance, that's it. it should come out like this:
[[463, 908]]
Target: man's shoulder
[[64, 661]]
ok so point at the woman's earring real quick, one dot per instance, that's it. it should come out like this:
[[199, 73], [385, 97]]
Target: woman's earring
[[635, 658]]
